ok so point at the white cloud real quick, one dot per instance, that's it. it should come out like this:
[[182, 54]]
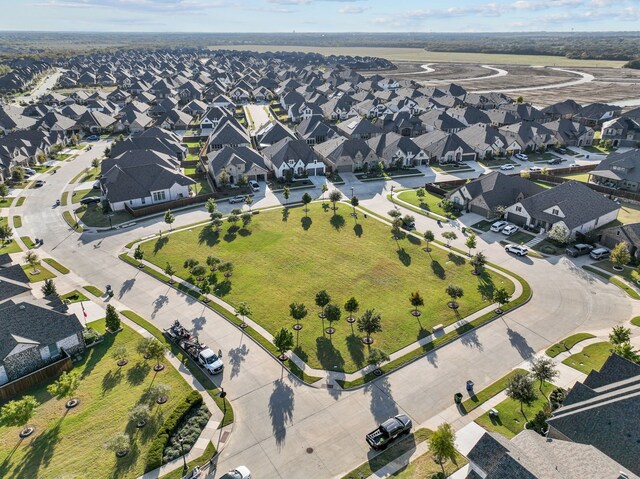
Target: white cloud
[[352, 9]]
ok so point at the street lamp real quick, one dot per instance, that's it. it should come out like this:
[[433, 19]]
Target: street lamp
[[184, 459], [352, 192]]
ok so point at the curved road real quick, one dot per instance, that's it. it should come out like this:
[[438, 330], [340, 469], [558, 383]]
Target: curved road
[[584, 78], [277, 417]]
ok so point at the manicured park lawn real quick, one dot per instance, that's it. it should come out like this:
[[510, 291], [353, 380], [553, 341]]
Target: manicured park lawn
[[510, 421], [278, 262], [567, 344], [429, 202], [71, 444], [591, 357]]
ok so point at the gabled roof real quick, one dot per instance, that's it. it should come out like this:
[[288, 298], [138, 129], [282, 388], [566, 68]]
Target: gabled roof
[[289, 149], [620, 166], [218, 160]]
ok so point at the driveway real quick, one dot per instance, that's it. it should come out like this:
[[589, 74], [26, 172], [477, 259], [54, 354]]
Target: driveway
[[259, 116]]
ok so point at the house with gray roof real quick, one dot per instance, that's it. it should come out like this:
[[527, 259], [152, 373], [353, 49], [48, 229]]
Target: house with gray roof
[[619, 170], [397, 150], [628, 234], [623, 131], [293, 155], [315, 130], [346, 155], [442, 148], [572, 204], [357, 128], [236, 162], [571, 133]]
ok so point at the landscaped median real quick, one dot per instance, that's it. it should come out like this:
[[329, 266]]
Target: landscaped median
[[591, 357], [614, 279], [566, 344], [57, 266]]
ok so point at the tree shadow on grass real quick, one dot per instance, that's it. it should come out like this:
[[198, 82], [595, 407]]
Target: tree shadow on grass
[[230, 236], [337, 221], [124, 464], [111, 380], [357, 229], [413, 240], [486, 290], [329, 357], [223, 288], [456, 259], [281, 406], [160, 243], [208, 236], [285, 214], [95, 354], [306, 223], [39, 453], [404, 257], [438, 270], [356, 349], [244, 232], [138, 373], [382, 404]]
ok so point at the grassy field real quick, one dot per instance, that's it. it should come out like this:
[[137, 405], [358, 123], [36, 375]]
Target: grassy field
[[57, 266], [490, 391], [71, 444], [420, 55], [636, 321], [429, 202], [278, 262], [567, 344], [510, 421], [591, 357]]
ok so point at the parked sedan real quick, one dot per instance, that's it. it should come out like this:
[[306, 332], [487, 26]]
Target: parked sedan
[[507, 167], [237, 199], [517, 249], [39, 183], [521, 156], [241, 472], [498, 225], [89, 200], [93, 138], [509, 230]]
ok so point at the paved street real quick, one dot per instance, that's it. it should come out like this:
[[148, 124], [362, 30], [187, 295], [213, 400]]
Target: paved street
[[290, 430]]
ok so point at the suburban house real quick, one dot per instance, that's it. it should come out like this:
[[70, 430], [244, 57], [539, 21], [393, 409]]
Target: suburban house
[[357, 128], [596, 114], [394, 149], [485, 140], [619, 170], [564, 205], [271, 133], [571, 133], [623, 131], [344, 155], [628, 234], [527, 136], [601, 412], [292, 155], [486, 194], [236, 162], [442, 148], [315, 130], [228, 133]]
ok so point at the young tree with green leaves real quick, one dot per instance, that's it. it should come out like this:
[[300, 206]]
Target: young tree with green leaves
[[213, 262], [322, 299], [246, 218], [4, 190], [112, 318], [156, 351], [216, 220], [226, 268], [334, 197], [620, 255], [394, 213], [544, 370], [190, 263], [158, 392], [501, 296], [297, 311], [243, 310], [6, 233], [421, 193], [248, 201], [416, 301], [142, 347], [333, 313], [520, 388], [472, 242], [212, 207], [139, 415], [559, 233], [449, 236], [306, 199], [478, 262], [619, 335], [354, 203], [324, 189], [49, 288], [119, 444], [370, 322], [454, 292], [429, 237], [120, 354], [351, 306], [169, 271], [234, 216], [32, 260], [138, 254], [283, 341], [627, 351], [286, 192], [65, 386], [19, 411], [169, 218], [442, 444]]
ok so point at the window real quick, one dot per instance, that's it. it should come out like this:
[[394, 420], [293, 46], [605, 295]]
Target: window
[[555, 211], [518, 209], [143, 201], [53, 350], [158, 196]]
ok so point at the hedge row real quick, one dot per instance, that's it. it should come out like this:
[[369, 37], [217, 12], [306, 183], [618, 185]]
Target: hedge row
[[154, 456]]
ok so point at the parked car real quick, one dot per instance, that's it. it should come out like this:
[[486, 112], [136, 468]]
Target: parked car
[[573, 165], [509, 230], [521, 156], [89, 200], [507, 167], [600, 253], [517, 249], [255, 186], [29, 171], [388, 431], [579, 249], [240, 472], [40, 183], [210, 361], [498, 225], [238, 199], [93, 138], [535, 169], [562, 151], [555, 161]]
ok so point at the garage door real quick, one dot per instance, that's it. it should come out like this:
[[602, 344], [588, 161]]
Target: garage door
[[345, 169], [516, 219], [317, 172]]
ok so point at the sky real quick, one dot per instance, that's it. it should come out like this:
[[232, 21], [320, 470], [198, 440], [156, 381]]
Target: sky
[[320, 15]]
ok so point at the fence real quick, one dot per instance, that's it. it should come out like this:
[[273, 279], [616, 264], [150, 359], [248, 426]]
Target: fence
[[161, 207], [9, 390]]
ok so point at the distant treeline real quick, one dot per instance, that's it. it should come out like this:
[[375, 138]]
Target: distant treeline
[[585, 45]]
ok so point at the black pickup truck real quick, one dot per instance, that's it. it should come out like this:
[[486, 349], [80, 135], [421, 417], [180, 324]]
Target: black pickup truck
[[389, 431]]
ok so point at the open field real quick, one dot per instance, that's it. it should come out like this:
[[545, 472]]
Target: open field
[[71, 444], [278, 262], [418, 54]]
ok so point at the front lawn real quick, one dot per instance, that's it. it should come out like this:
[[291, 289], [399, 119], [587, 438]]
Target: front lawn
[[429, 203], [81, 194], [510, 421], [92, 216], [520, 237], [6, 201], [567, 344], [278, 262], [631, 275], [629, 214], [43, 273], [71, 444], [546, 246], [583, 177], [482, 225], [10, 247], [541, 157], [449, 168], [426, 466], [74, 296], [490, 391], [590, 358]]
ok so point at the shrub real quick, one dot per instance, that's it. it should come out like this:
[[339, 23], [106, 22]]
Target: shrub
[[189, 429]]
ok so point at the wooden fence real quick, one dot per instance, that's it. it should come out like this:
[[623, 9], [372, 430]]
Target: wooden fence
[[161, 207], [12, 389]]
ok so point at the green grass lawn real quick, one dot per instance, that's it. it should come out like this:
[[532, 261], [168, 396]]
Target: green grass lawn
[[631, 275], [451, 168], [429, 202], [520, 237], [94, 291], [21, 201], [590, 358], [43, 273], [547, 247], [541, 157], [510, 421], [490, 391], [567, 344], [57, 266], [583, 177], [74, 296], [483, 225], [636, 321], [202, 187], [425, 466], [6, 201], [629, 214], [614, 279], [90, 175], [81, 194], [17, 221], [92, 215], [275, 265], [10, 247], [71, 444], [28, 242]]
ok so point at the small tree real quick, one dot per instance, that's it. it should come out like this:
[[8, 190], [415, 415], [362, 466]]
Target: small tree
[[156, 351], [416, 301], [334, 197], [354, 203], [525, 174], [243, 310], [6, 233], [224, 178], [283, 341], [138, 254], [322, 299], [324, 189], [143, 346], [626, 351], [351, 306], [243, 181], [370, 322], [428, 237], [286, 192], [95, 163], [449, 236], [216, 220], [246, 219], [17, 174], [377, 357], [234, 217], [169, 271], [559, 233], [297, 311], [169, 219], [198, 271], [212, 207], [619, 335], [421, 193], [119, 444], [120, 354], [32, 260], [226, 268], [543, 369], [4, 190], [472, 242], [159, 393], [248, 201], [501, 296], [478, 262], [112, 319], [139, 415], [620, 255], [519, 100], [190, 263], [394, 213], [442, 445], [306, 199], [19, 412], [49, 288], [333, 313], [520, 388], [213, 262], [454, 292], [65, 386]]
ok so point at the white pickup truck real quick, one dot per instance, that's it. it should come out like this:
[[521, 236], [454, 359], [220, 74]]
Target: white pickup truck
[[210, 361]]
